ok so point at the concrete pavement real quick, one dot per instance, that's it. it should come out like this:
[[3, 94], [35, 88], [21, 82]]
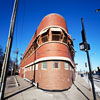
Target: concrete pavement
[[26, 91], [96, 84]]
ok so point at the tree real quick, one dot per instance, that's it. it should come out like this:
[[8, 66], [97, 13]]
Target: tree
[[1, 58]]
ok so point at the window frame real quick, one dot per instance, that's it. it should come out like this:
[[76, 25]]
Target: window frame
[[54, 33], [45, 34], [66, 68], [54, 66], [44, 68]]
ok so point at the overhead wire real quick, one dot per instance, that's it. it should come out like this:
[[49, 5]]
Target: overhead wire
[[22, 23]]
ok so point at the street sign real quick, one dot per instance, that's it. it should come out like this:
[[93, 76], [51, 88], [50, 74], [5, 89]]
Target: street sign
[[84, 46], [85, 64]]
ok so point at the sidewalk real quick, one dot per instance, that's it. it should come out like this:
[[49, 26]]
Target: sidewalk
[[78, 91], [96, 84]]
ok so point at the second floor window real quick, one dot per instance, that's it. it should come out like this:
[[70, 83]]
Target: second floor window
[[56, 36], [44, 37]]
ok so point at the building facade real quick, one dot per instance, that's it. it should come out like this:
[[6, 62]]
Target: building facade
[[49, 57]]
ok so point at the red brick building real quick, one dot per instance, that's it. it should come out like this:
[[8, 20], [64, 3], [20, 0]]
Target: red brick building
[[49, 57]]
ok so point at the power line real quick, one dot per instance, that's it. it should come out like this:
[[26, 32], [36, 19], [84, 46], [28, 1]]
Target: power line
[[23, 16]]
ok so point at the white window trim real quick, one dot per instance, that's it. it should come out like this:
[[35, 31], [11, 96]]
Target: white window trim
[[56, 29], [66, 68], [33, 67], [36, 67], [42, 66], [43, 31], [49, 58]]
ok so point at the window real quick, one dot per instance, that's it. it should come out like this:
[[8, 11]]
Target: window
[[65, 40], [44, 65], [35, 45], [66, 66], [56, 36], [70, 68], [56, 64], [44, 37]]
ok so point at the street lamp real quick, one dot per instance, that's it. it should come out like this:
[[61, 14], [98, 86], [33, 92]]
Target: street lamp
[[97, 10], [84, 46]]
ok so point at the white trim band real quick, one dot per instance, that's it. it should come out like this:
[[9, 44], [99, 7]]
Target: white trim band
[[49, 58]]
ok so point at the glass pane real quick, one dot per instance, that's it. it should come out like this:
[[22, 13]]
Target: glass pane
[[55, 37], [66, 66], [65, 40], [44, 39], [44, 65], [56, 64]]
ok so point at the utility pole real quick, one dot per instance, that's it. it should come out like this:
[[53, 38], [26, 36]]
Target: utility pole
[[16, 61], [8, 50], [84, 46], [21, 56]]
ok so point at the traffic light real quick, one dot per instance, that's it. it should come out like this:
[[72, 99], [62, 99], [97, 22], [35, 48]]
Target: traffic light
[[85, 64]]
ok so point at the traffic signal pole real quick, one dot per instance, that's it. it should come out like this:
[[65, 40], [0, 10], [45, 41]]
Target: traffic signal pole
[[7, 52], [84, 46]]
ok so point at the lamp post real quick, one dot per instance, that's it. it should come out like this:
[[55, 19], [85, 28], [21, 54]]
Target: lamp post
[[84, 46]]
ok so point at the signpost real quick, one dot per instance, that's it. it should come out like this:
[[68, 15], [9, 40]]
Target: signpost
[[84, 46]]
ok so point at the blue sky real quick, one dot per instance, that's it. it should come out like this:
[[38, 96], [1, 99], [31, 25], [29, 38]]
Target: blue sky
[[31, 12]]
